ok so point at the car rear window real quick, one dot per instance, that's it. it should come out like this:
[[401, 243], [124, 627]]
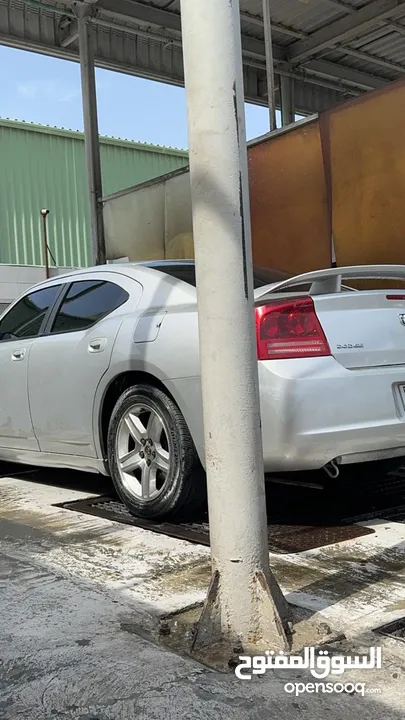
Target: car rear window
[[261, 276]]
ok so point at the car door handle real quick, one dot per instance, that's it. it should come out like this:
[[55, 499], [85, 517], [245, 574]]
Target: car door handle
[[18, 355], [97, 345]]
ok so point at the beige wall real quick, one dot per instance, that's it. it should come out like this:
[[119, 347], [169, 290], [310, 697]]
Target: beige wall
[[15, 279], [152, 222]]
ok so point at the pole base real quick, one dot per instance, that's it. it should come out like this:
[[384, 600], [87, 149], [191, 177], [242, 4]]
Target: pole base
[[271, 619], [193, 632]]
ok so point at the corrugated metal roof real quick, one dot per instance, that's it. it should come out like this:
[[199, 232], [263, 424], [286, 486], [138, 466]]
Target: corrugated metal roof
[[305, 16], [378, 50], [44, 167], [78, 135], [144, 38]]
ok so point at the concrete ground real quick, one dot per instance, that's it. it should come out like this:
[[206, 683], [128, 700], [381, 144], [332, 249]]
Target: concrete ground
[[80, 598]]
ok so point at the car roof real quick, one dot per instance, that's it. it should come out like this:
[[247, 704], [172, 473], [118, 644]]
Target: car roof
[[130, 269]]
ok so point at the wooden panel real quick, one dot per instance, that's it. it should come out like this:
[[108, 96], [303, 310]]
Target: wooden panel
[[290, 221], [367, 150]]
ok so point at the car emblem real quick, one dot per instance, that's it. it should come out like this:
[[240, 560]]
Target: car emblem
[[402, 318]]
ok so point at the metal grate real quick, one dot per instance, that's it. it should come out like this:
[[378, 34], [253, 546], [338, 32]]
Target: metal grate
[[394, 630], [283, 538]]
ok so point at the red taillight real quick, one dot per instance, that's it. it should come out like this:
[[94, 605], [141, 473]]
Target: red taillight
[[289, 329]]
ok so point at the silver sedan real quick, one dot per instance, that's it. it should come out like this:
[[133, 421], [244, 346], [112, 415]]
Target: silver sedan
[[100, 372]]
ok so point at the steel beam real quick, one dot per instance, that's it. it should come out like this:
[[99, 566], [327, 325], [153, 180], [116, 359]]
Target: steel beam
[[372, 59], [343, 7], [268, 45], [340, 72], [151, 16], [71, 37], [256, 48], [339, 5], [91, 135], [344, 29], [287, 100], [283, 29]]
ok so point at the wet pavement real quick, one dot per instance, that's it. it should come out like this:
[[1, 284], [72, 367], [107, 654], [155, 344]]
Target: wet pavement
[[81, 598]]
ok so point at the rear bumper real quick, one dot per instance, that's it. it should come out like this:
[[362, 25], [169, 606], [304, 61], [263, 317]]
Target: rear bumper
[[314, 411]]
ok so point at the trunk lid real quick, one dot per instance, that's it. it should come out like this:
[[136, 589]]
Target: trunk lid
[[364, 329]]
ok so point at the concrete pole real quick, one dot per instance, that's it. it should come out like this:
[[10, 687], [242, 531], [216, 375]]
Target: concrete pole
[[91, 136], [287, 100], [244, 603], [271, 99]]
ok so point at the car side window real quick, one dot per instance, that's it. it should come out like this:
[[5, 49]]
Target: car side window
[[25, 319], [87, 302]]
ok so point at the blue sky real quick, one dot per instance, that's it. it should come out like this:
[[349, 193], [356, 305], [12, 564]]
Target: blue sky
[[44, 90]]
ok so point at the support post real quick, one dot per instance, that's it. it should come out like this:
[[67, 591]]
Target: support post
[[91, 136], [245, 606], [268, 43], [287, 100], [44, 215]]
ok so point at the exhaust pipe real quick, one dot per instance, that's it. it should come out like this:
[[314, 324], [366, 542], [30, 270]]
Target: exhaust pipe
[[332, 469]]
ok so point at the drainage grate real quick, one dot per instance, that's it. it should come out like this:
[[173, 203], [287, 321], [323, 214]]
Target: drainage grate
[[394, 515], [370, 498], [395, 630], [282, 538]]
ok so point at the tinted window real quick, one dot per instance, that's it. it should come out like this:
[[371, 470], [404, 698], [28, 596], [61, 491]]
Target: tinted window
[[26, 317], [180, 272], [261, 276], [86, 303]]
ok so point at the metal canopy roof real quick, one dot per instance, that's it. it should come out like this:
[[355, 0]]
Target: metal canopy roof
[[333, 49]]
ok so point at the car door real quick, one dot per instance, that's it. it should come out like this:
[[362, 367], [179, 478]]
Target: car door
[[19, 328], [67, 363]]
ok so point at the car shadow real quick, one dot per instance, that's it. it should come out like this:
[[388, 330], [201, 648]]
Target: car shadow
[[333, 502], [62, 478]]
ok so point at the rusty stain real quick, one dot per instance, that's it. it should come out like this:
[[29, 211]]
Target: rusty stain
[[241, 208], [367, 150], [324, 129], [288, 201]]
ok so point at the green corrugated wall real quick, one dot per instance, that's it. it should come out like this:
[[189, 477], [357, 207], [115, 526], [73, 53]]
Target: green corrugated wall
[[44, 167]]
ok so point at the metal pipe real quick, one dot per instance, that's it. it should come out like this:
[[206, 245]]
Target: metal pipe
[[91, 134], [271, 96], [44, 214], [287, 100], [244, 599]]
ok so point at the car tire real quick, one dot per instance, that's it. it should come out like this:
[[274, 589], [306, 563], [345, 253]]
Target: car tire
[[173, 485]]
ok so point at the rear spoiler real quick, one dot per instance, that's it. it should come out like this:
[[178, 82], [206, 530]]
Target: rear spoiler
[[330, 280]]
